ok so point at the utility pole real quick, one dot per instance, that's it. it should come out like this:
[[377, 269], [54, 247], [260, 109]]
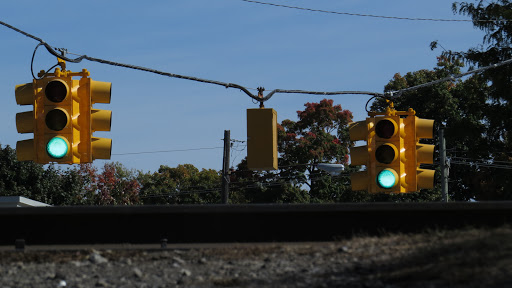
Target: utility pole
[[225, 167], [445, 168]]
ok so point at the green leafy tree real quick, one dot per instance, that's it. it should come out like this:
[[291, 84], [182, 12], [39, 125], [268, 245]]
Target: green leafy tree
[[319, 136], [28, 179], [263, 187], [184, 184], [455, 105], [474, 110]]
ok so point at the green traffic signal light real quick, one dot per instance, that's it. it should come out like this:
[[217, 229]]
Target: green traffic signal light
[[57, 147], [387, 178]]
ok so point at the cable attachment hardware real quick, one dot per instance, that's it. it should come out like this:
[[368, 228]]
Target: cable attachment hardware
[[260, 95], [61, 62]]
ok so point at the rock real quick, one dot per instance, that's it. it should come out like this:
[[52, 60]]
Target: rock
[[343, 249], [96, 258], [137, 272], [185, 272], [102, 283], [178, 260]]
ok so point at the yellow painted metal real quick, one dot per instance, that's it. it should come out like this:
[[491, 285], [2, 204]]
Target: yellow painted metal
[[55, 93], [25, 95], [359, 180], [418, 154], [101, 120], [396, 164], [101, 148], [409, 153], [63, 107], [360, 155], [25, 122], [98, 120], [25, 150], [262, 139], [425, 178], [100, 92]]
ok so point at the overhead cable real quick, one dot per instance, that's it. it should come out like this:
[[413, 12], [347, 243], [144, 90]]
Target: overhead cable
[[166, 151], [259, 97], [368, 15], [398, 93]]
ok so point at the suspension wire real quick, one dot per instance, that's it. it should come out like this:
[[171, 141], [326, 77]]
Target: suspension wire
[[165, 151], [258, 98], [367, 15], [398, 93]]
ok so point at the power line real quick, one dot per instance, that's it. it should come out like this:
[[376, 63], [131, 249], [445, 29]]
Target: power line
[[259, 97], [398, 93], [480, 164], [368, 15]]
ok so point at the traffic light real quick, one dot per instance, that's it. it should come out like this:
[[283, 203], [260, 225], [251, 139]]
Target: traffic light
[[362, 130], [417, 153], [392, 154], [262, 139], [25, 121], [389, 155], [91, 92], [62, 119]]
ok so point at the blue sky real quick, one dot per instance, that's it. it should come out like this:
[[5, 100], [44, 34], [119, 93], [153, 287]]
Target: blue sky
[[226, 40]]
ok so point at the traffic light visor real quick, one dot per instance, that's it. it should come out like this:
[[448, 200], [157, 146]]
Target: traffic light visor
[[24, 94]]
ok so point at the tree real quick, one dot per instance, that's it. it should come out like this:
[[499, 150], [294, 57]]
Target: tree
[[457, 106], [474, 110], [115, 185], [490, 142], [320, 135], [184, 184]]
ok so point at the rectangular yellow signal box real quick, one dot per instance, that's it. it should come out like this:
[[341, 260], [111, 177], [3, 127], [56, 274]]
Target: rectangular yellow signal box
[[262, 139]]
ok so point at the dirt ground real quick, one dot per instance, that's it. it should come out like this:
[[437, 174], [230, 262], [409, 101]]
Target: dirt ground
[[460, 258]]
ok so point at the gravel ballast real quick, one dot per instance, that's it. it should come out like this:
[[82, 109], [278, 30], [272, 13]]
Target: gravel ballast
[[462, 258]]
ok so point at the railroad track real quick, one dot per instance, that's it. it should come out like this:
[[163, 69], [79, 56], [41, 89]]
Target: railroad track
[[237, 223]]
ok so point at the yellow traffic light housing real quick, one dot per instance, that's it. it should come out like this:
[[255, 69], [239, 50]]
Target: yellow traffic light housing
[[392, 154], [25, 121], [63, 119], [418, 153], [388, 155], [360, 155], [262, 139]]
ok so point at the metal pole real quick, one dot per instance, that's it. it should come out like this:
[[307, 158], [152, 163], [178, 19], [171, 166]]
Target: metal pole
[[444, 166], [225, 167]]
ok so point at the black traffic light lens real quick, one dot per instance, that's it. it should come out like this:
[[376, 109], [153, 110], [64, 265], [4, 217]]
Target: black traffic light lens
[[56, 119], [385, 129], [56, 91], [385, 154]]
